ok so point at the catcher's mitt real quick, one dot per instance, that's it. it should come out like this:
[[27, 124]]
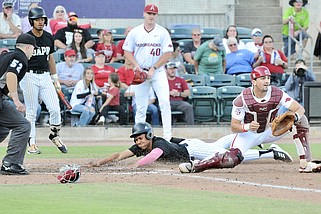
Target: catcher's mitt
[[282, 123], [139, 77]]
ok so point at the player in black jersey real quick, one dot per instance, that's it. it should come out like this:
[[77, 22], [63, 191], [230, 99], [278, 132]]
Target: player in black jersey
[[13, 66], [37, 83]]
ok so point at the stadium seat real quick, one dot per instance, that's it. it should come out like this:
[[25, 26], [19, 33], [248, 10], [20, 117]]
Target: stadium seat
[[244, 32], [204, 101], [218, 80], [189, 68], [194, 80], [225, 97], [8, 43], [211, 32], [115, 65], [243, 80]]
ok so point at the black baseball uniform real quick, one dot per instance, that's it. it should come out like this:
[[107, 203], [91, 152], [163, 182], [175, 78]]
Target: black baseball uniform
[[10, 118], [171, 151]]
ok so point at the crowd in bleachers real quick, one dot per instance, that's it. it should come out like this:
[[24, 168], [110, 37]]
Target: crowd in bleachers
[[200, 60]]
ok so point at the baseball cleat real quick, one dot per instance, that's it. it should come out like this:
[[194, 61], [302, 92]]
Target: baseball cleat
[[12, 169], [33, 150], [280, 154], [187, 167], [101, 121], [57, 141], [312, 166]]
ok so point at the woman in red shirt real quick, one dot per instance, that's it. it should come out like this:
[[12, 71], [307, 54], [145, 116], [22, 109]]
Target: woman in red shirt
[[126, 74], [101, 70], [107, 46], [112, 102], [273, 59]]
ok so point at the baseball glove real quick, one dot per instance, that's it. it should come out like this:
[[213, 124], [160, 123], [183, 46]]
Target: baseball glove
[[139, 77], [282, 123]]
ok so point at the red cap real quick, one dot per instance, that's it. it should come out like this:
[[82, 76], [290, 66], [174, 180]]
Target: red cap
[[151, 8], [105, 31], [70, 14], [99, 52], [260, 71], [70, 53]]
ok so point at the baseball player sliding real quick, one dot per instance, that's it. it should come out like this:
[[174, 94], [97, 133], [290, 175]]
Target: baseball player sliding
[[37, 83], [178, 149], [152, 47]]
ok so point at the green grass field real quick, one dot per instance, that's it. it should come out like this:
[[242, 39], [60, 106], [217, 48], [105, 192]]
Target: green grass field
[[134, 198]]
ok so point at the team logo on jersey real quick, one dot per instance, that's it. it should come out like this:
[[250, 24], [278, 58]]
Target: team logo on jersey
[[152, 8], [237, 111], [288, 99]]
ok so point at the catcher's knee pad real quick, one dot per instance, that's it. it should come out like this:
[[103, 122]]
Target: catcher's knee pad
[[233, 158]]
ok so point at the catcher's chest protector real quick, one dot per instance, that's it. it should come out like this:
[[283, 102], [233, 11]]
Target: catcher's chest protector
[[262, 109]]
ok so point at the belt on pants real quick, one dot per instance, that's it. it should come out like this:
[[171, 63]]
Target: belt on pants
[[37, 71]]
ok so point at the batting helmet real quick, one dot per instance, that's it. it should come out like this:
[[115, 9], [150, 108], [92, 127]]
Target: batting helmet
[[69, 174], [142, 128], [260, 71], [35, 13]]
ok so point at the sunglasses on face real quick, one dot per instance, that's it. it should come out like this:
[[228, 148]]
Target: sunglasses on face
[[8, 7], [73, 18], [78, 30], [60, 11], [231, 45], [198, 34]]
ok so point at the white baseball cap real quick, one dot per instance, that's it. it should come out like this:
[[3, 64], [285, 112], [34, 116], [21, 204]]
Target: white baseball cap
[[256, 32]]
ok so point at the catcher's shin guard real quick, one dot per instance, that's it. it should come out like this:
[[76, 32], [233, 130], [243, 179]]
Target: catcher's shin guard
[[302, 133], [228, 159]]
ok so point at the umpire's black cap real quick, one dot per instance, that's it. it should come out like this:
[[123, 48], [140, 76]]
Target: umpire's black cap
[[27, 39]]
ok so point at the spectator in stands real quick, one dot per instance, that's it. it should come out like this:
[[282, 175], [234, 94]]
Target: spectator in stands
[[231, 32], [178, 91], [238, 61], [10, 23], [126, 74], [257, 44], [69, 72], [101, 70], [191, 47], [177, 58], [298, 13], [112, 102], [64, 36], [273, 59], [152, 108], [99, 33], [25, 25], [59, 19], [83, 97], [294, 84], [78, 45], [3, 50], [119, 49], [107, 46], [210, 57]]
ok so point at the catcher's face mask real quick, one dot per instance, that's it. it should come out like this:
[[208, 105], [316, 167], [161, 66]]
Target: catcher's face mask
[[69, 174]]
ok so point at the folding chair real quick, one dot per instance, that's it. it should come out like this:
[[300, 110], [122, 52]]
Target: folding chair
[[225, 97], [204, 102]]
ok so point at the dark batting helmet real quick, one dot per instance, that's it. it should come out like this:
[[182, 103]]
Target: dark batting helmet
[[35, 13], [142, 128], [260, 71]]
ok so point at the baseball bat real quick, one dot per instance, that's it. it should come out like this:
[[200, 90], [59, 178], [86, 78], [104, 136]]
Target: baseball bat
[[63, 99]]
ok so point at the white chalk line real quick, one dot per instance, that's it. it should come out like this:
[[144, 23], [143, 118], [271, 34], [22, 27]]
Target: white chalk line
[[188, 175]]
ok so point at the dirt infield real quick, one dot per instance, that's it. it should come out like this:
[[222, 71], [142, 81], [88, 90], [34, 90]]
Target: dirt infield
[[263, 178]]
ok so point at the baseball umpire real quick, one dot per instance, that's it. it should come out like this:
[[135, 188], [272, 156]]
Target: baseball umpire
[[13, 66], [37, 83]]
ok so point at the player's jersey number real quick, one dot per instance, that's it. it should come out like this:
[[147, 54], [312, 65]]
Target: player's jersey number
[[16, 64], [155, 52]]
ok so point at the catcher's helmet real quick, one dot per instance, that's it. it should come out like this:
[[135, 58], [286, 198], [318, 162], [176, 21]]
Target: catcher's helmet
[[69, 174], [35, 13], [260, 71], [142, 128]]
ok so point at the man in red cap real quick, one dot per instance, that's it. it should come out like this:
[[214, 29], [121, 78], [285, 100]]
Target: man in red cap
[[64, 36], [69, 72], [148, 47]]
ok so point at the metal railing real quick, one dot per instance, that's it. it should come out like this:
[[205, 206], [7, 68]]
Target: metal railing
[[302, 49]]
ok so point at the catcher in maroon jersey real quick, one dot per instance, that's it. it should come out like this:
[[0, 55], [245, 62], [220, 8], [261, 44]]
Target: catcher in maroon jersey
[[253, 111]]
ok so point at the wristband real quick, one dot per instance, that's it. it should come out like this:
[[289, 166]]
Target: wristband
[[54, 77], [245, 127], [154, 67]]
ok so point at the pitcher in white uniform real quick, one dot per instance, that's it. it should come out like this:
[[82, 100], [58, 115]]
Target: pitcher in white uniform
[[148, 47]]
